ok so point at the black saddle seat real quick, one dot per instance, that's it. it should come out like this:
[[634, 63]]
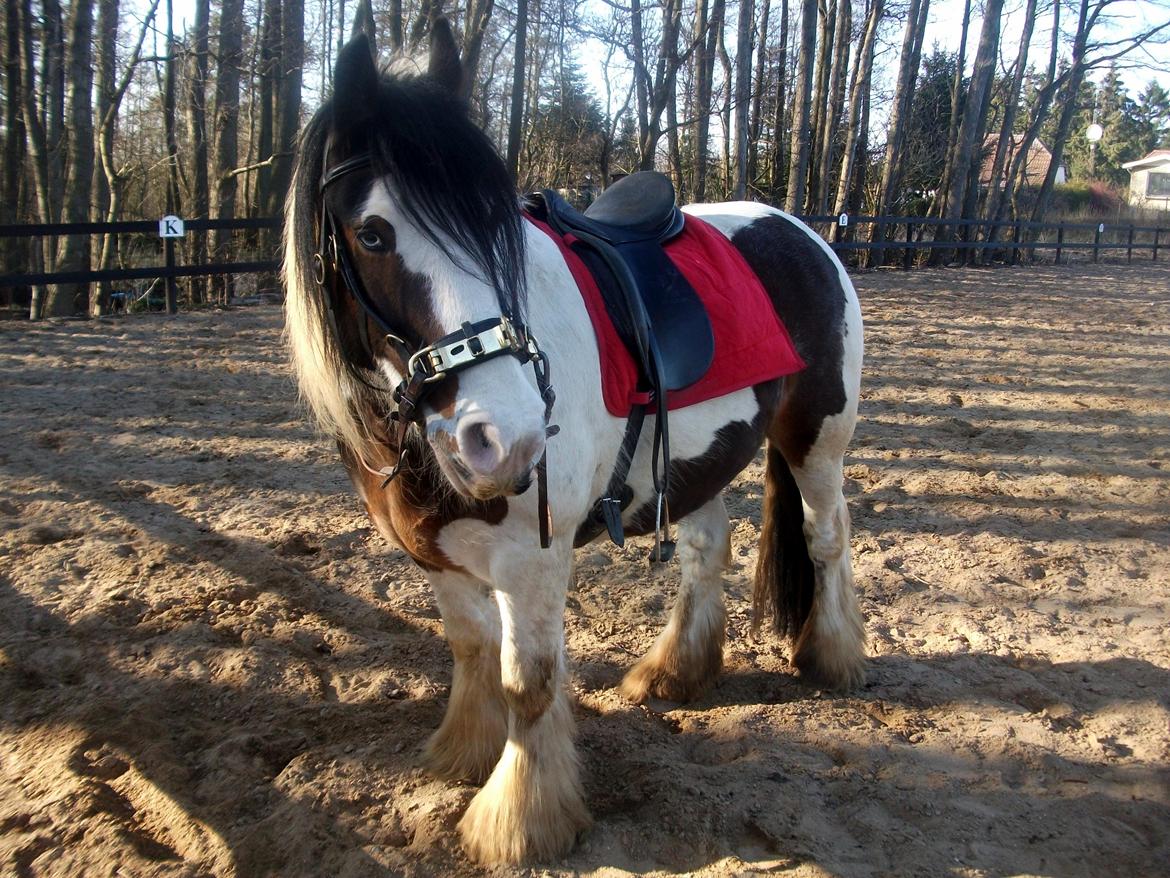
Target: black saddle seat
[[638, 207], [655, 309]]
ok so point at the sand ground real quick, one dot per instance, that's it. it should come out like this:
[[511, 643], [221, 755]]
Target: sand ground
[[210, 665]]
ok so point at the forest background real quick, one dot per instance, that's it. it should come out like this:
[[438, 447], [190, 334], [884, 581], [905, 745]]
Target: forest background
[[133, 109]]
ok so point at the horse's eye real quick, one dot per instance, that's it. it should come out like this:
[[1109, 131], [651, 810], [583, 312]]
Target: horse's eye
[[371, 240]]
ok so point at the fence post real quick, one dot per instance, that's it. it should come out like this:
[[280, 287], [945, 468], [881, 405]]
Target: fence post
[[171, 284], [1016, 243], [908, 253], [1129, 249], [1059, 242], [1097, 240], [1157, 234]]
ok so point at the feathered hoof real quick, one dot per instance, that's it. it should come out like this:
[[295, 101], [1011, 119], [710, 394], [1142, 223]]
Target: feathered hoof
[[510, 827], [650, 679], [452, 756], [837, 669]]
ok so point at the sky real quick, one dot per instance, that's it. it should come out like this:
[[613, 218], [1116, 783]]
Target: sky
[[944, 28]]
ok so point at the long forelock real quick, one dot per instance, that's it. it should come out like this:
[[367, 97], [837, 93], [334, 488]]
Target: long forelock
[[452, 185], [450, 182], [327, 381]]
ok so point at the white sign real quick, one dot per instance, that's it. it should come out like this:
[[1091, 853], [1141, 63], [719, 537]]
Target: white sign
[[843, 220], [171, 227], [1101, 228]]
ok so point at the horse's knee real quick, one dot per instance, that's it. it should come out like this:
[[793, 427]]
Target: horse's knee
[[530, 685]]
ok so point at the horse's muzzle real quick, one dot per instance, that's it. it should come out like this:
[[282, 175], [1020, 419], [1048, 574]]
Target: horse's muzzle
[[482, 463]]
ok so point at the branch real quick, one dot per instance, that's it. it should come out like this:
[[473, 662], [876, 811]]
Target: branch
[[255, 166]]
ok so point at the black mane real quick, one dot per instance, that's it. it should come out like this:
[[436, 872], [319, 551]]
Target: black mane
[[449, 177]]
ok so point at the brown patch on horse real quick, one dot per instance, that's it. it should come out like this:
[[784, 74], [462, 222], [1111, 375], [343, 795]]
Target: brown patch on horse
[[695, 481], [805, 288], [532, 694], [414, 508]]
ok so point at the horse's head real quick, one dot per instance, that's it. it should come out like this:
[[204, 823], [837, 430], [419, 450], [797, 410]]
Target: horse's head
[[404, 267]]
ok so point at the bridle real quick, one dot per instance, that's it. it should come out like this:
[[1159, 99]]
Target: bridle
[[470, 345]]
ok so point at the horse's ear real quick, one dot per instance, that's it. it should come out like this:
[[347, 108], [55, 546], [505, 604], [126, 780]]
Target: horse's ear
[[444, 64], [355, 81]]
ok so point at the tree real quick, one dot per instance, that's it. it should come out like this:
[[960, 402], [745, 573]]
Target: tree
[[975, 106], [74, 251], [230, 62], [802, 94]]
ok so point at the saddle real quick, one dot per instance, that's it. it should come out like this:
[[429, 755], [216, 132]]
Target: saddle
[[654, 309]]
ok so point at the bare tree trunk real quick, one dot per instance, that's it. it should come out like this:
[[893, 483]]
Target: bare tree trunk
[[665, 72], [475, 25], [1043, 103], [756, 125], [743, 92], [725, 116], [672, 140], [891, 179], [1068, 106], [197, 133], [944, 186], [975, 108], [827, 20], [802, 94], [862, 76], [366, 15], [110, 102], [14, 139], [102, 184], [516, 117], [227, 137], [780, 110], [704, 73], [1007, 126], [38, 150], [73, 254], [52, 109], [266, 136], [836, 103]]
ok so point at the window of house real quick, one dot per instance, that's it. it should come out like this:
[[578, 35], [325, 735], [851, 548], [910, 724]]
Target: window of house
[[1158, 185]]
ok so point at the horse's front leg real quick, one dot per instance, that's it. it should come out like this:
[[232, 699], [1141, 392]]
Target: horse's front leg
[[469, 741], [531, 808]]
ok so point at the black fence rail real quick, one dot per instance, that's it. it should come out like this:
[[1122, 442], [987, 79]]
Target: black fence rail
[[973, 241], [169, 270], [888, 240]]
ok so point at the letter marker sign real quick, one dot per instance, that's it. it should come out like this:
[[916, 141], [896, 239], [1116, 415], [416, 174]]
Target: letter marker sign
[[171, 227]]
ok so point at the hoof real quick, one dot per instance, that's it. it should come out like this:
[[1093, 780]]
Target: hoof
[[649, 679], [509, 824], [838, 670], [450, 756]]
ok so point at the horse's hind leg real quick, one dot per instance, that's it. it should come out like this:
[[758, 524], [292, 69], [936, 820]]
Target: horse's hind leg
[[805, 573], [469, 741], [688, 654]]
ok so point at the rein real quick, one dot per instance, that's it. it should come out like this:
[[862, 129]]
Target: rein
[[470, 345]]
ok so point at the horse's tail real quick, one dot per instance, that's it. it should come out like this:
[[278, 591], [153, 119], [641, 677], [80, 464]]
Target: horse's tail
[[785, 579]]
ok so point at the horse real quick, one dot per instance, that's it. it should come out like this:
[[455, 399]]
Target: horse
[[404, 244]]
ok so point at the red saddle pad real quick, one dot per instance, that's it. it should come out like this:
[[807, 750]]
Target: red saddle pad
[[751, 344]]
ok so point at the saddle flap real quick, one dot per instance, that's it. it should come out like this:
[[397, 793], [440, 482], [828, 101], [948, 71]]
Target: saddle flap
[[679, 322]]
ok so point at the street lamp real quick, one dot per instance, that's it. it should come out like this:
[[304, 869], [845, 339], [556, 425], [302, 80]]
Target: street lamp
[[1093, 134]]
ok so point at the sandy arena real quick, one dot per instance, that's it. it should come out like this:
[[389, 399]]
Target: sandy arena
[[211, 666]]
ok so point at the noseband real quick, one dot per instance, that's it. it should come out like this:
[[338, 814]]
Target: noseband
[[470, 345]]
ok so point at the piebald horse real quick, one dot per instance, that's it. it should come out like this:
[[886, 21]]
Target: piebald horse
[[403, 231]]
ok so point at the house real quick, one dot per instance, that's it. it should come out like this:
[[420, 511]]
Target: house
[[1149, 180], [1039, 160]]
